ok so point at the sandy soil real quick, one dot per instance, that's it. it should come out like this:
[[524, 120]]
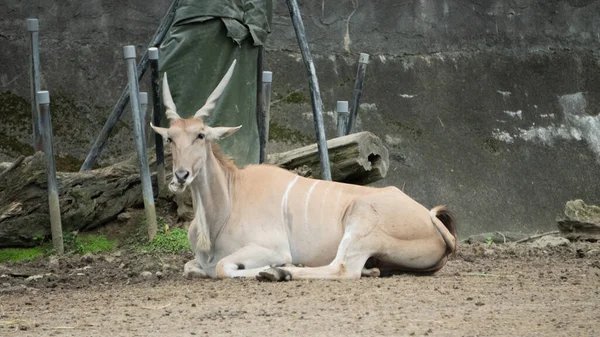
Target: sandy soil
[[497, 290]]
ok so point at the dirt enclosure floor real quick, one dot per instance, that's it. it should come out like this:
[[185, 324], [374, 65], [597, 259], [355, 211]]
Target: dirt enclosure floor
[[486, 290]]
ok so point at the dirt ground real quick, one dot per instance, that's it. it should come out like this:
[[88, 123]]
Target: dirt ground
[[486, 290]]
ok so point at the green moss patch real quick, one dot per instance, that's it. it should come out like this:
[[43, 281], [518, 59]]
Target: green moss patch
[[167, 240], [20, 254], [296, 98], [92, 244], [284, 134]]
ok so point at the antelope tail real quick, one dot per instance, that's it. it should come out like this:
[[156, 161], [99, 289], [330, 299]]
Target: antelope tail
[[441, 215]]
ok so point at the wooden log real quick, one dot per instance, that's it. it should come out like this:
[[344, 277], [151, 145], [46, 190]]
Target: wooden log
[[93, 198], [87, 199], [359, 158]]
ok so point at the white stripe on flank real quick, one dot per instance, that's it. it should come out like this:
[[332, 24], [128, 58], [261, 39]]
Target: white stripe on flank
[[323, 202], [337, 201], [306, 202], [284, 201]]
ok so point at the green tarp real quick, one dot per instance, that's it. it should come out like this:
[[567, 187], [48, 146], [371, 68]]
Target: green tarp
[[205, 38]]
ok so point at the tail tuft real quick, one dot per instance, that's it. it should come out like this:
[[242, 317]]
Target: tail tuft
[[449, 220]]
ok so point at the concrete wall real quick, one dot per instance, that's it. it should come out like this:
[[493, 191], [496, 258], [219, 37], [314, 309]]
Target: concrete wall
[[489, 108]]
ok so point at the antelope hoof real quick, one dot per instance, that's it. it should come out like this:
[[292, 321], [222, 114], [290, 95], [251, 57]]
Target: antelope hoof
[[373, 272], [274, 275], [191, 270]]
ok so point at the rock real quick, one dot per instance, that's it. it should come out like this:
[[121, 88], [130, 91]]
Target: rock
[[14, 290], [124, 216], [580, 221], [89, 257], [6, 285], [110, 259], [146, 274], [34, 277], [550, 241], [159, 274], [54, 261]]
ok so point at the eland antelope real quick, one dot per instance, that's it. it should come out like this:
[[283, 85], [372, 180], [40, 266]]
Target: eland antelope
[[265, 222]]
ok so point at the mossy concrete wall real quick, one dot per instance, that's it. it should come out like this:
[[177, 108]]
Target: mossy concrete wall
[[488, 107]]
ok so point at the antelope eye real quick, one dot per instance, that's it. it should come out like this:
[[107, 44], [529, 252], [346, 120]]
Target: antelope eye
[[200, 136], [169, 140]]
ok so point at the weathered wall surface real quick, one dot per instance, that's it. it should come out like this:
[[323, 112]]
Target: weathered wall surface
[[489, 107]]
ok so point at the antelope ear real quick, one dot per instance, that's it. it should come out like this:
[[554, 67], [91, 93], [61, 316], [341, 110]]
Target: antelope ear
[[161, 131], [220, 132]]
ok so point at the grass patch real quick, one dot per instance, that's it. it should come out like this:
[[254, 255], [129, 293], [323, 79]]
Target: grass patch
[[21, 254], [167, 240], [92, 244]]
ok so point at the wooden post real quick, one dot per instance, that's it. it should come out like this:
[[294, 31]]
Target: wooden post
[[34, 76], [263, 127], [140, 142], [342, 117], [363, 60], [43, 98], [315, 96], [112, 120], [143, 99], [156, 119]]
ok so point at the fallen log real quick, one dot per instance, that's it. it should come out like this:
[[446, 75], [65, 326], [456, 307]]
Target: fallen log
[[358, 158], [93, 198]]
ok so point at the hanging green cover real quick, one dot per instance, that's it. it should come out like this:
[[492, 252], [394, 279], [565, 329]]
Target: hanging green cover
[[205, 38]]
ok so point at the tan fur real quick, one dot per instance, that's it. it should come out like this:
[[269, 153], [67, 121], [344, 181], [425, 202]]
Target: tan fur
[[249, 219]]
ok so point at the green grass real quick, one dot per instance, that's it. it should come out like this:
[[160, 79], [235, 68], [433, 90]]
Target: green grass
[[172, 241], [93, 244], [73, 244], [20, 254], [167, 240]]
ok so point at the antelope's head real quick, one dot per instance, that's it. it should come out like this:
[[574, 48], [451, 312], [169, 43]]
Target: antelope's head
[[189, 138]]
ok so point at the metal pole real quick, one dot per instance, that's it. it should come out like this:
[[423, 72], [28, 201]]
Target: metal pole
[[315, 96], [143, 99], [363, 60], [34, 69], [263, 127], [140, 141], [156, 118], [342, 114], [43, 98], [117, 111], [260, 100]]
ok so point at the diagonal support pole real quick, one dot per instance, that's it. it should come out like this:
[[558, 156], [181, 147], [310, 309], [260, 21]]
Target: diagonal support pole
[[114, 117], [315, 95]]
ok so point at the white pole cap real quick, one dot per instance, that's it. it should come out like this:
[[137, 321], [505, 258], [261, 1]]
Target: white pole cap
[[364, 58], [153, 53], [129, 52], [43, 97], [143, 97], [342, 106], [33, 25], [267, 77]]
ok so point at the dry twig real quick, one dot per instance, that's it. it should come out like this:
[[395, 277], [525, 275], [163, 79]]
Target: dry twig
[[537, 236]]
